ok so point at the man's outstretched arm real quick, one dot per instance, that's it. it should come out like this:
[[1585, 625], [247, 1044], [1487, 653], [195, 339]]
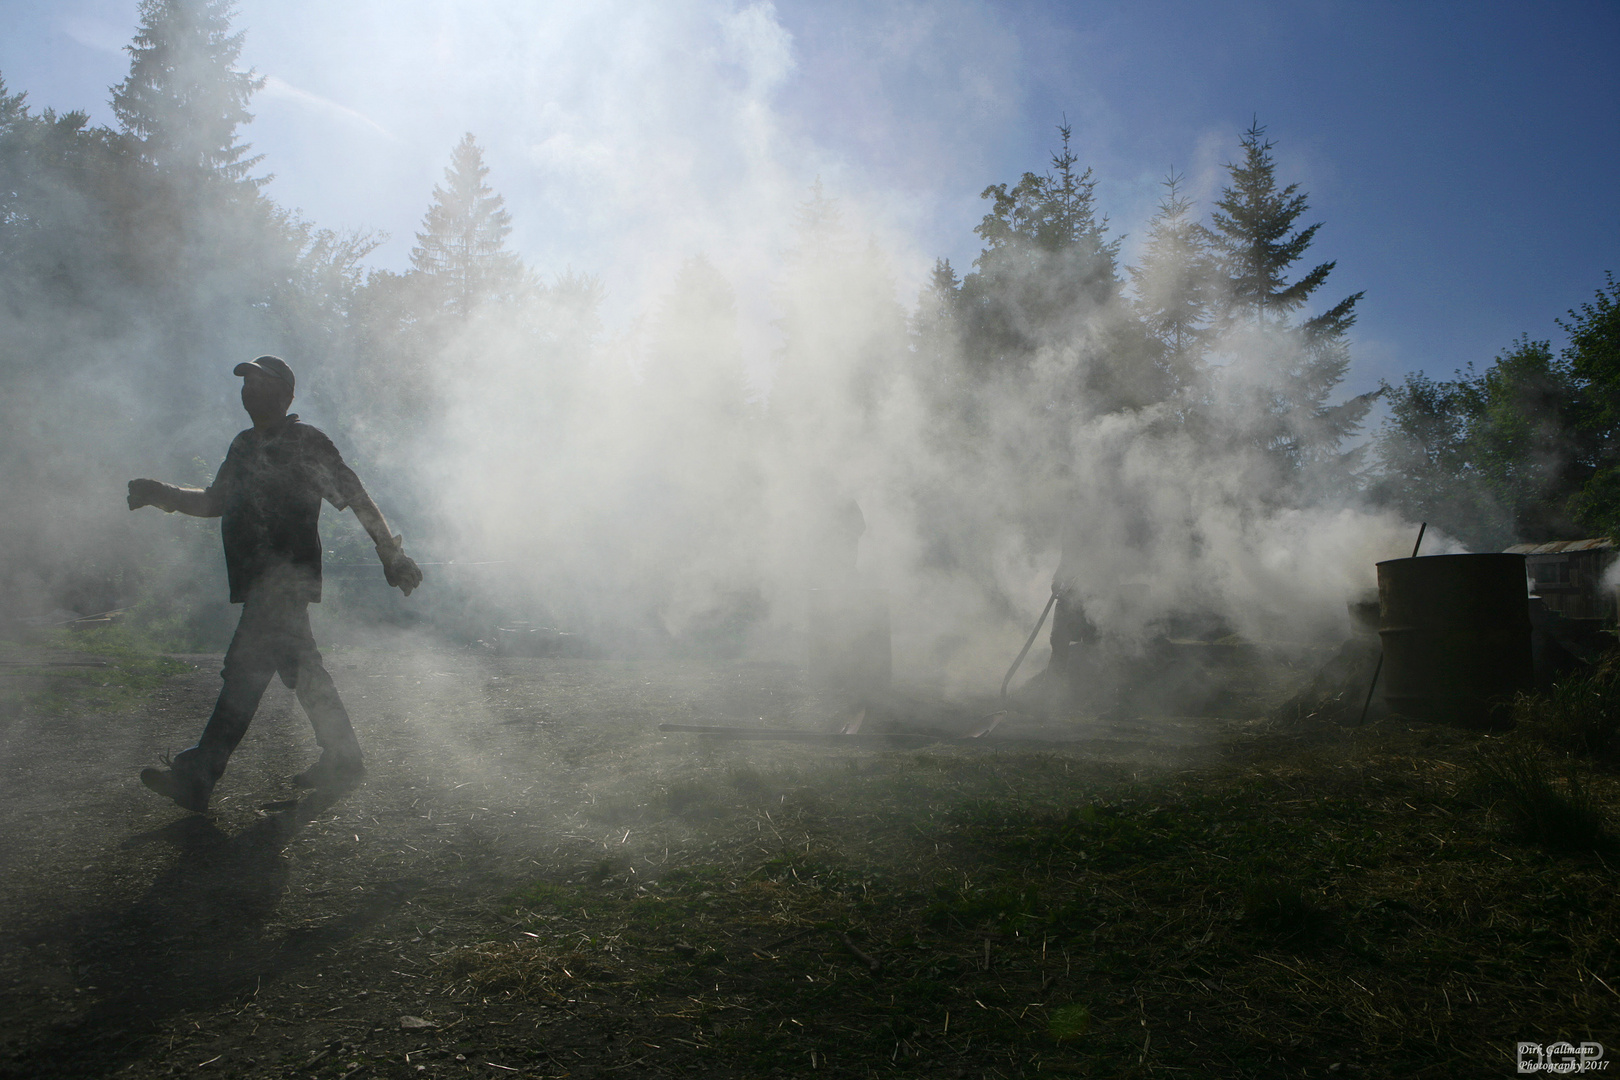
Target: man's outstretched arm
[[399, 568], [198, 502]]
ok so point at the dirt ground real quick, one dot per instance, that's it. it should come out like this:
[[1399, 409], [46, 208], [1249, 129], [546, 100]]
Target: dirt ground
[[437, 919]]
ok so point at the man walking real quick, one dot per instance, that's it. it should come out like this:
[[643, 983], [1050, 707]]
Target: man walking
[[268, 494]]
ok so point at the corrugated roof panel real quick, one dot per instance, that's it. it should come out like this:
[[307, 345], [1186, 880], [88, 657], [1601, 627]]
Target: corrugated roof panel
[[1557, 547]]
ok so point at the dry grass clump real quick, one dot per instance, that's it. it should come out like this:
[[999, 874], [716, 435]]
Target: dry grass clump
[[1539, 777], [1068, 1022], [524, 968], [1558, 812], [1579, 715]]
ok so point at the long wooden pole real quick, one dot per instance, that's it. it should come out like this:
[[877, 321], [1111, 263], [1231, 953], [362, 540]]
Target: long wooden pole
[[1050, 600], [1379, 667]]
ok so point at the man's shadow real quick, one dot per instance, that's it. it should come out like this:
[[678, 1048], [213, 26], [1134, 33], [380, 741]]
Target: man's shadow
[[195, 939]]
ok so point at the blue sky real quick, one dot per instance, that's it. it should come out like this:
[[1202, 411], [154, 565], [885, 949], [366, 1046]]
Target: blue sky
[[1462, 156]]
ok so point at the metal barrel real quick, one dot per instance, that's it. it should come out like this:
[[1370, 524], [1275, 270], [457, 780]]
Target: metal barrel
[[1456, 636]]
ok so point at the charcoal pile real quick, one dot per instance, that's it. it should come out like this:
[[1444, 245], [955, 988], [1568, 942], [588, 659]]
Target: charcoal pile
[[1337, 692]]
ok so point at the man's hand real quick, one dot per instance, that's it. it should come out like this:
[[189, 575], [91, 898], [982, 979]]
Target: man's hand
[[399, 568], [146, 493]]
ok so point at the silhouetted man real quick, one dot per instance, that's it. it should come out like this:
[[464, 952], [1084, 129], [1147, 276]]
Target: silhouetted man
[[1070, 626], [268, 494]]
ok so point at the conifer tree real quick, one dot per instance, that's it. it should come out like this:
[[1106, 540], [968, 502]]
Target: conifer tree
[[936, 341], [818, 226], [1043, 299], [462, 248], [1047, 262], [936, 302], [1176, 285], [1252, 235], [183, 98], [1051, 213], [1252, 223], [13, 107], [1257, 245]]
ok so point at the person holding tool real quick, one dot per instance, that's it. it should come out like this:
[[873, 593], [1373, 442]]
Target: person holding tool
[[268, 496]]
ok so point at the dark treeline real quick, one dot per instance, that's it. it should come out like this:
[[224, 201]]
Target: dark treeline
[[1168, 403], [1524, 451]]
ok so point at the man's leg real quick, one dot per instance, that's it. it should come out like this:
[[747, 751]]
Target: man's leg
[[1074, 647], [250, 662], [340, 749], [1064, 627]]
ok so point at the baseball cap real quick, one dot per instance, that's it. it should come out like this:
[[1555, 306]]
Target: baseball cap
[[273, 366]]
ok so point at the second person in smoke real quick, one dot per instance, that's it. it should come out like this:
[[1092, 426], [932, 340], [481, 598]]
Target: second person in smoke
[[1073, 635], [268, 496]]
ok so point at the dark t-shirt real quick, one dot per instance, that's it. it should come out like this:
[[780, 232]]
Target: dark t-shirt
[[271, 486]]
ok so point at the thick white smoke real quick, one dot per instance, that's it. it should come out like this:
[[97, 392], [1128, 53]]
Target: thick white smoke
[[664, 483]]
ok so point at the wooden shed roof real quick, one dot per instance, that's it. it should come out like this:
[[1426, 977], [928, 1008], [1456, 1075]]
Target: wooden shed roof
[[1559, 547]]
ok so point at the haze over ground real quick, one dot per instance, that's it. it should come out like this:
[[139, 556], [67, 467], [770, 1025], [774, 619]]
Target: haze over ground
[[1460, 155], [758, 192]]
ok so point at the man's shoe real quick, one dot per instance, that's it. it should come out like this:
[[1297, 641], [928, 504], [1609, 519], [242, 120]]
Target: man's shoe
[[186, 787], [330, 772]]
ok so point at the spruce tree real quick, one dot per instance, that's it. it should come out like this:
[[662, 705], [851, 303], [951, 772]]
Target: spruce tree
[[936, 341], [184, 98], [1257, 245], [1176, 286], [1252, 228], [818, 226], [1051, 213], [1042, 306], [13, 107], [462, 248], [1047, 263]]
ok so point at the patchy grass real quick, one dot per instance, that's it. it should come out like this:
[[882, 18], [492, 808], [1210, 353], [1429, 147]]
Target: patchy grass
[[121, 668], [580, 895], [1351, 903]]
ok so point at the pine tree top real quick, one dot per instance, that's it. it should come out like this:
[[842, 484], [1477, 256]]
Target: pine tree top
[[1174, 279], [1253, 228], [1053, 213], [184, 99], [463, 239]]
